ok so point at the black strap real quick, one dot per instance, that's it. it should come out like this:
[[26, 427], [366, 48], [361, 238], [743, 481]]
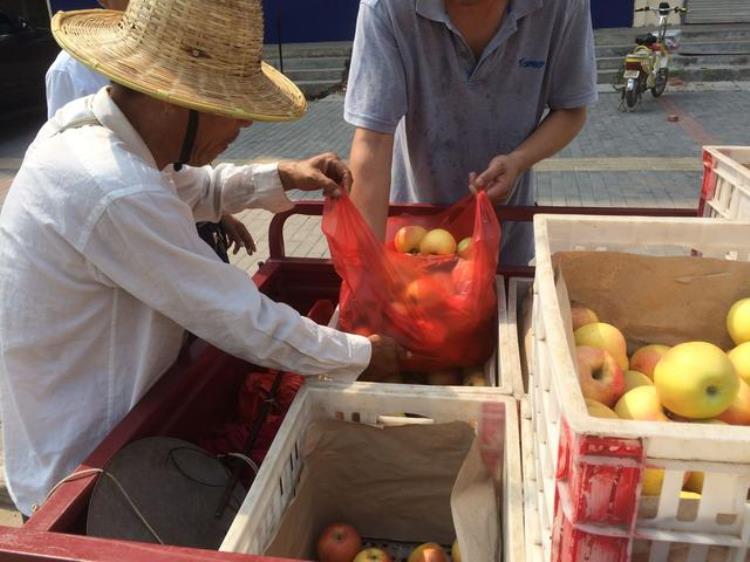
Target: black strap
[[188, 141]]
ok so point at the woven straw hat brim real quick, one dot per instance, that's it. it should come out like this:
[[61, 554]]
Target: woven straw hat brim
[[95, 38]]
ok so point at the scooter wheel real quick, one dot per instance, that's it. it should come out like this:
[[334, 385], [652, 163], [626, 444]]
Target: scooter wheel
[[631, 98], [662, 77]]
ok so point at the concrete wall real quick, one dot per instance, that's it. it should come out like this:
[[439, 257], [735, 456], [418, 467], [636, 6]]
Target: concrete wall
[[652, 19]]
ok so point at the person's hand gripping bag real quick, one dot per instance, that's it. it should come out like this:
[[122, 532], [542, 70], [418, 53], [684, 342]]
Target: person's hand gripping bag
[[441, 307]]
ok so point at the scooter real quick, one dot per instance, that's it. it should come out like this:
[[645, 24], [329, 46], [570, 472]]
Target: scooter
[[647, 66]]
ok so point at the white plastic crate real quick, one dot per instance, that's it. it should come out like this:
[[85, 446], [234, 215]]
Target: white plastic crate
[[721, 519], [257, 520], [532, 493], [500, 375], [511, 344], [725, 192]]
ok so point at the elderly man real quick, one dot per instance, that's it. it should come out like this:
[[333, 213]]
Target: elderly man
[[68, 79], [101, 269], [447, 94]]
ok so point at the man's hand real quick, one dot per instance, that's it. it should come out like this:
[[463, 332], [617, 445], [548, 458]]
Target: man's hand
[[498, 179], [238, 235], [325, 171], [385, 358]]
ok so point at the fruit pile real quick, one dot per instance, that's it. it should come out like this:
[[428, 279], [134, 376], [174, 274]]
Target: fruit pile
[[693, 382], [435, 242], [340, 542]]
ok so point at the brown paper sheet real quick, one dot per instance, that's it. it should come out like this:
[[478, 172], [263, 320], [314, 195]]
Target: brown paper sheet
[[390, 483], [665, 300]]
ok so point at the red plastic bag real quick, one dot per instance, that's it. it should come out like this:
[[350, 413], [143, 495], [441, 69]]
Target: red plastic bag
[[441, 308]]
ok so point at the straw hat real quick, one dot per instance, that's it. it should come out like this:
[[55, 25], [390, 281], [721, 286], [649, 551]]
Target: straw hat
[[199, 54]]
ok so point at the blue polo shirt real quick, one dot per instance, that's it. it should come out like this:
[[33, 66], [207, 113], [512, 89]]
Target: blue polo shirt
[[412, 74]]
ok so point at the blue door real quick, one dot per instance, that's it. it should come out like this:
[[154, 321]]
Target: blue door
[[308, 21], [612, 13], [66, 5]]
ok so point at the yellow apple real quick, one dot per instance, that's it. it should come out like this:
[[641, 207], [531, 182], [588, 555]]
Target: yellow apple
[[641, 403], [455, 552], [604, 336], [599, 410], [438, 242], [430, 290], [740, 358], [474, 376], [689, 495], [645, 359], [446, 377], [599, 375], [428, 552], [653, 479], [694, 482], [696, 380], [634, 379], [373, 555], [581, 315], [738, 412], [464, 248], [738, 321], [408, 238]]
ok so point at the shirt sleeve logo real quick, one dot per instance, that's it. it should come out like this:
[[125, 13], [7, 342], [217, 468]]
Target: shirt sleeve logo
[[531, 63]]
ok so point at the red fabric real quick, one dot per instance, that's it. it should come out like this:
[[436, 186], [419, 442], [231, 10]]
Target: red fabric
[[232, 436], [449, 323]]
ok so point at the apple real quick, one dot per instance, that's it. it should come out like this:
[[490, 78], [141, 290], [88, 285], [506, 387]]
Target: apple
[[463, 275], [694, 483], [696, 380], [645, 359], [604, 336], [738, 321], [599, 410], [599, 375], [464, 248], [455, 552], [473, 376], [582, 315], [653, 479], [429, 290], [373, 555], [438, 242], [740, 358], [408, 238], [339, 542], [428, 552], [445, 377], [738, 412], [634, 379], [641, 403]]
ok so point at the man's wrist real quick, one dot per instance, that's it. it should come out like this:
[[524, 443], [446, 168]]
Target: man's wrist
[[521, 160], [285, 174]]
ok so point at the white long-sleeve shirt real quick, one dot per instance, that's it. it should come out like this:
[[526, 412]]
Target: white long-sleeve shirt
[[101, 270], [67, 80]]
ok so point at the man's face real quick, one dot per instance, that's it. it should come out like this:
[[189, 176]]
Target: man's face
[[214, 135], [114, 4]]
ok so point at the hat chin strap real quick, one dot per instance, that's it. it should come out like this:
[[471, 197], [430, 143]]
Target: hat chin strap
[[189, 141]]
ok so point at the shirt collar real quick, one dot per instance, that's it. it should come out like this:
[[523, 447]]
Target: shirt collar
[[110, 116], [435, 9]]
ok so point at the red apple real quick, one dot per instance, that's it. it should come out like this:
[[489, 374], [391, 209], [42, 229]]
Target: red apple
[[438, 242], [604, 336], [644, 360], [408, 238], [463, 275], [581, 315], [738, 412], [599, 374], [339, 542], [430, 290], [373, 555]]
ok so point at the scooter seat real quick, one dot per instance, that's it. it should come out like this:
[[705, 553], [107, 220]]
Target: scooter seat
[[647, 40]]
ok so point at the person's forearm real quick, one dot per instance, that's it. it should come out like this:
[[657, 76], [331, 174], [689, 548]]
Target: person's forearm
[[555, 133], [370, 162]]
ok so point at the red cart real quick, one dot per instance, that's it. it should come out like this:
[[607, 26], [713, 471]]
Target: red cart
[[195, 392]]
